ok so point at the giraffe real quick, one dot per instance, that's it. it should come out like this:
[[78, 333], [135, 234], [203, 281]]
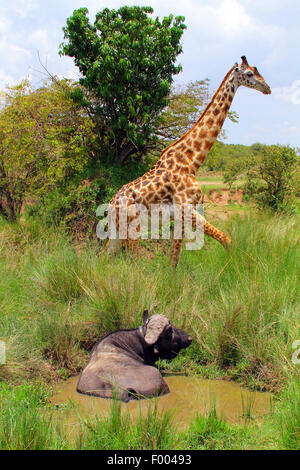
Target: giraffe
[[172, 179]]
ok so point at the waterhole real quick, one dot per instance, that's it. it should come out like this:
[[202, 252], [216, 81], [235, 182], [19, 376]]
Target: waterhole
[[188, 396]]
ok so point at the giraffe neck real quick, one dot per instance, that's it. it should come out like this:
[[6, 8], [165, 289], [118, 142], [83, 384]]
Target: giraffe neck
[[194, 146]]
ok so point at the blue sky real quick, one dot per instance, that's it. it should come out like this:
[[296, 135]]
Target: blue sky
[[218, 33]]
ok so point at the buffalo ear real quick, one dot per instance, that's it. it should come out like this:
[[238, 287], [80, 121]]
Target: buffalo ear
[[155, 327], [145, 316]]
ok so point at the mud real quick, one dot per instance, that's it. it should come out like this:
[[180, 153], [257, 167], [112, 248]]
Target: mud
[[189, 396]]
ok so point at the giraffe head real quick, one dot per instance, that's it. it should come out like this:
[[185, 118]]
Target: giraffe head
[[250, 77]]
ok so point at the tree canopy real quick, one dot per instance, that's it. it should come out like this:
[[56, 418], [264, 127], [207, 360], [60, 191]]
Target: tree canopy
[[44, 140], [127, 60], [272, 180]]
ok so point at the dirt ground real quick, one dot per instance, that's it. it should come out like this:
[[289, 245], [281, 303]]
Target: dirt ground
[[224, 196]]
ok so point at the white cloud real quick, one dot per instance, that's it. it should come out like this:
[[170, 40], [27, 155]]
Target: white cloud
[[73, 74], [23, 7], [5, 24], [222, 18], [13, 54], [234, 18], [289, 93], [6, 79], [39, 38]]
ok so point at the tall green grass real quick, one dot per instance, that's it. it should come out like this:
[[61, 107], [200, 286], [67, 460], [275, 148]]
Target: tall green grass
[[284, 423], [240, 306], [119, 431], [24, 425]]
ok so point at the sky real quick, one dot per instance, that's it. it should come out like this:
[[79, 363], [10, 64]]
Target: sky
[[218, 33]]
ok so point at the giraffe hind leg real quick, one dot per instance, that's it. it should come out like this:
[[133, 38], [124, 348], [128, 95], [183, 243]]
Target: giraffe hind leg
[[209, 230], [111, 247], [217, 234]]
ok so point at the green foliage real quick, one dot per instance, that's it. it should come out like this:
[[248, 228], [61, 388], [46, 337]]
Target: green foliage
[[44, 141], [269, 173], [271, 181], [73, 204], [127, 60], [183, 110], [211, 432], [232, 159], [286, 418], [119, 431], [22, 425]]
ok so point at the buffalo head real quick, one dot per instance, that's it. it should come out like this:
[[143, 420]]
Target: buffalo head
[[166, 340]]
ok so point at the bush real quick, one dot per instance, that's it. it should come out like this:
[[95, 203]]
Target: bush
[[73, 205], [272, 182], [44, 141]]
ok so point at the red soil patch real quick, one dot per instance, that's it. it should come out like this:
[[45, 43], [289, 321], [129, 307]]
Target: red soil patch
[[223, 197]]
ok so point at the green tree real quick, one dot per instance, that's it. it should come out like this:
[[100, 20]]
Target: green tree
[[271, 181], [186, 103], [127, 61], [184, 108], [44, 141]]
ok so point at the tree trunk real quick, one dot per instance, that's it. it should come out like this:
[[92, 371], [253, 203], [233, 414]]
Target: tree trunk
[[124, 153], [8, 207]]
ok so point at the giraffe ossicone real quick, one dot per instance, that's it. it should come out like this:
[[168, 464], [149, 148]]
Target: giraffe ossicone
[[172, 180]]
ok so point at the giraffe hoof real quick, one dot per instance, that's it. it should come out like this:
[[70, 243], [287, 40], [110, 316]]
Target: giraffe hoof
[[227, 242]]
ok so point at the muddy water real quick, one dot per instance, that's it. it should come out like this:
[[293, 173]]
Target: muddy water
[[189, 396]]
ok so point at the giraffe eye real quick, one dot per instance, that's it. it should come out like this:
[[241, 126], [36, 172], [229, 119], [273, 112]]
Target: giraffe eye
[[250, 74]]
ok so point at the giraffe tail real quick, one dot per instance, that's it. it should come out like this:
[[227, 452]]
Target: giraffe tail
[[217, 234]]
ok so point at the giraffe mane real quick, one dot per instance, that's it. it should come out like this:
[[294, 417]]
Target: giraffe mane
[[203, 112], [214, 95]]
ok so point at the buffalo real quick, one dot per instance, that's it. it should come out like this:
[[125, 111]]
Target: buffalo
[[121, 363]]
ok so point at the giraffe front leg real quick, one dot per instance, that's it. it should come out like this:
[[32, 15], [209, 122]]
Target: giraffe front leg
[[113, 243], [175, 251], [133, 232], [131, 246], [113, 246]]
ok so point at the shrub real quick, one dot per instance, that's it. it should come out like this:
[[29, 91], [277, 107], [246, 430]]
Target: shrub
[[271, 181]]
